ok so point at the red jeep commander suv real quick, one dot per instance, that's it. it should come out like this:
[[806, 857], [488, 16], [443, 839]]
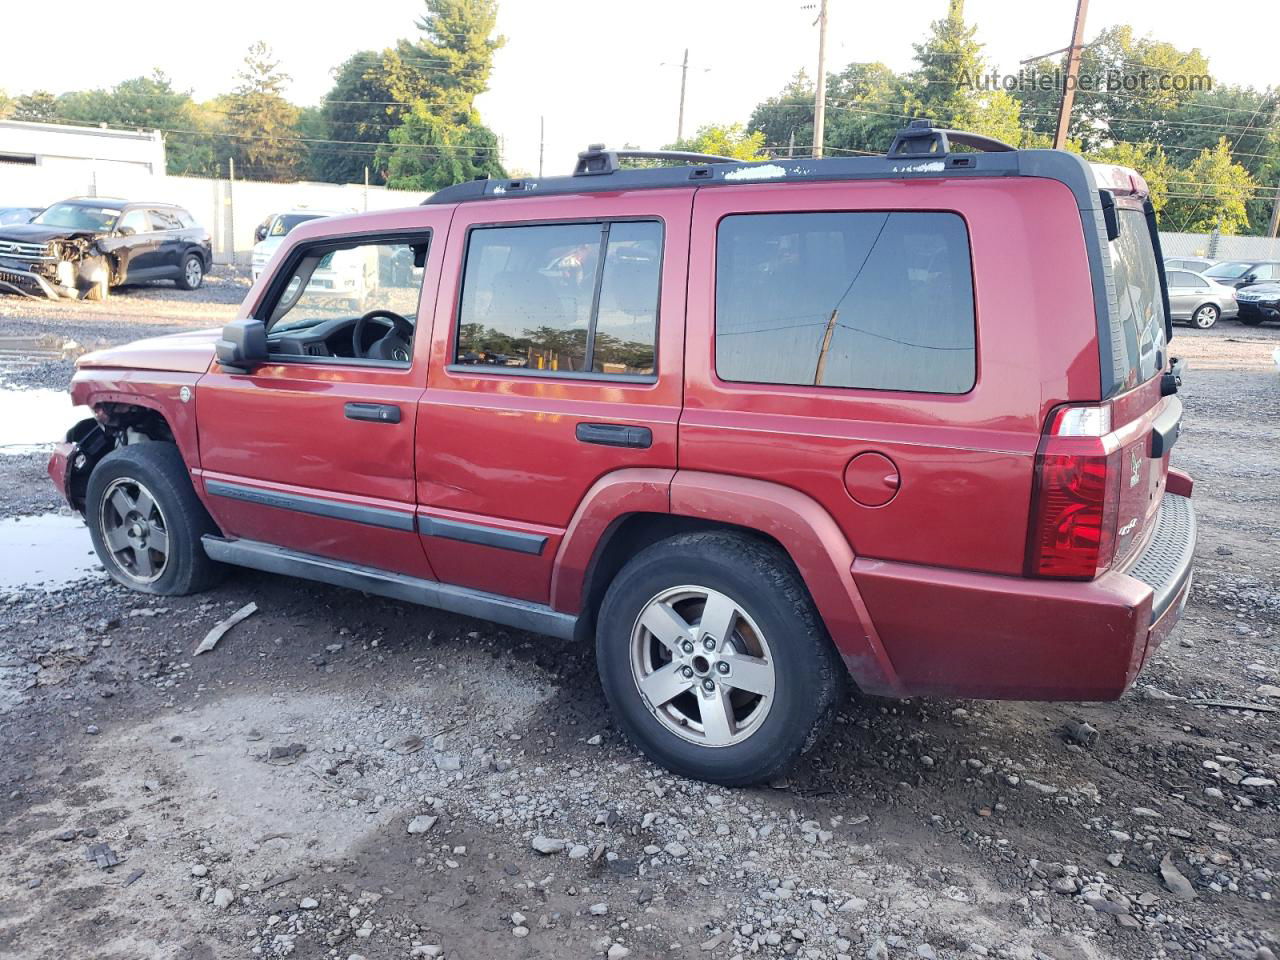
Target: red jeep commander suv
[[757, 428]]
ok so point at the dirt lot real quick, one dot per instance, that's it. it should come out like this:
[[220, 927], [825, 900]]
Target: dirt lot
[[347, 776]]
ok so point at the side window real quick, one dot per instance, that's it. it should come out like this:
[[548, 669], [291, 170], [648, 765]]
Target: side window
[[1266, 271], [134, 221], [330, 285], [1180, 278], [867, 300], [562, 298], [1199, 282], [164, 220]]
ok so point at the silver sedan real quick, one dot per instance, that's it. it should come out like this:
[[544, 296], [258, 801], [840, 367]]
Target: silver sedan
[[1198, 299]]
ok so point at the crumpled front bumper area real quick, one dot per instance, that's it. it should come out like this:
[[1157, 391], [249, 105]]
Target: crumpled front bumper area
[[31, 284]]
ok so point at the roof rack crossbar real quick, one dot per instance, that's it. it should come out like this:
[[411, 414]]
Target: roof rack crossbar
[[596, 160], [922, 139]]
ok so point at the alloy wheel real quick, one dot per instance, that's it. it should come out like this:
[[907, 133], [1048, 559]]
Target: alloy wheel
[[1205, 317], [193, 272], [702, 666], [134, 530]]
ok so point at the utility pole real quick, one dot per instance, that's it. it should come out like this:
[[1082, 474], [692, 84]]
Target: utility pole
[[542, 141], [821, 368], [791, 143], [1275, 216], [1069, 81], [366, 188], [820, 97], [231, 210], [684, 77]]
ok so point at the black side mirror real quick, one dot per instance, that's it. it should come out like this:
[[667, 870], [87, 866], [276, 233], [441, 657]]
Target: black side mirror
[[260, 233], [126, 231], [243, 345]]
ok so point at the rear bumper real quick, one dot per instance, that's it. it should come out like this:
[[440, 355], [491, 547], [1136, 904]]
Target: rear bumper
[[962, 634]]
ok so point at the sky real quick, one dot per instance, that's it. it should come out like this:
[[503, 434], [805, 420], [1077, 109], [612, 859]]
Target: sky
[[604, 71]]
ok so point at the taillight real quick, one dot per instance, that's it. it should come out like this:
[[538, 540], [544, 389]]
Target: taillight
[[1075, 497]]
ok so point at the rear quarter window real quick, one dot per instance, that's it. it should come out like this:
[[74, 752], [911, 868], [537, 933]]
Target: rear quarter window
[[870, 300], [1138, 324]]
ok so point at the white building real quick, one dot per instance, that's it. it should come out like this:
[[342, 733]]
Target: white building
[[84, 151]]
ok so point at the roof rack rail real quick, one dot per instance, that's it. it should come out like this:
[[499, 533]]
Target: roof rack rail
[[596, 160], [922, 139]]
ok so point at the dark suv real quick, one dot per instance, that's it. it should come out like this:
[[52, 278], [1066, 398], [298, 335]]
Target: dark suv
[[82, 247], [1243, 273], [756, 428]]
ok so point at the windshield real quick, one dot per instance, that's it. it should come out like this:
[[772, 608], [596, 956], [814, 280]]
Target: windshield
[[1139, 336], [287, 221], [79, 216], [1229, 270]]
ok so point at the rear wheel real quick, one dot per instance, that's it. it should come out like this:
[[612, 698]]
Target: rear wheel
[[146, 521], [1205, 316], [192, 273], [713, 658]]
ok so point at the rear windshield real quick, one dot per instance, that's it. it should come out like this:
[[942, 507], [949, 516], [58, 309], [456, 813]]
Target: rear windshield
[[1138, 328], [1229, 271]]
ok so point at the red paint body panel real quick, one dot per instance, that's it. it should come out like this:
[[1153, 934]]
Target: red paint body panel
[[185, 352], [817, 547], [504, 447], [965, 462], [957, 633], [610, 499], [156, 390]]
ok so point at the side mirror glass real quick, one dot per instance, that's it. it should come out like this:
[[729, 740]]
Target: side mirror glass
[[243, 345]]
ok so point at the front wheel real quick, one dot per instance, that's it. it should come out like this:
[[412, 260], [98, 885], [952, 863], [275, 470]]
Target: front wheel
[[1205, 316], [192, 273], [714, 660], [146, 521]]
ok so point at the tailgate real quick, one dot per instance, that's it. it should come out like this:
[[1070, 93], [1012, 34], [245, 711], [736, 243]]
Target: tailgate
[[1144, 468]]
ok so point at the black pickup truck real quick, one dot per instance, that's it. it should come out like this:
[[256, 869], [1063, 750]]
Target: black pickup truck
[[82, 247]]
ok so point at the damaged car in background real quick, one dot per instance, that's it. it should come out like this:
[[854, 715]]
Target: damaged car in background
[[82, 247]]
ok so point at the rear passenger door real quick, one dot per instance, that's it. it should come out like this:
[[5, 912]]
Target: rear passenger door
[[556, 361], [169, 242], [1184, 288]]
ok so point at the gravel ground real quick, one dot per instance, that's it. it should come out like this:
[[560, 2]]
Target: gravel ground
[[346, 776]]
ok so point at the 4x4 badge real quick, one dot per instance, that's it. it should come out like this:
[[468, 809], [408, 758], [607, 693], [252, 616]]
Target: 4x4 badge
[[1135, 467]]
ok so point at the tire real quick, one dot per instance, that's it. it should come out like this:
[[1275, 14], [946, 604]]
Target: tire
[[774, 633], [1205, 316], [140, 497], [192, 274]]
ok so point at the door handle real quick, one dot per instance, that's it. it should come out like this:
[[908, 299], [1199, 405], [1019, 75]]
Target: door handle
[[614, 435], [373, 412]]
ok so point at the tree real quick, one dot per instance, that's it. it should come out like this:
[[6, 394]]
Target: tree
[[725, 141], [1212, 192], [428, 152], [371, 93], [950, 63], [39, 107], [789, 114], [1128, 87], [457, 47], [261, 124], [441, 139], [6, 105]]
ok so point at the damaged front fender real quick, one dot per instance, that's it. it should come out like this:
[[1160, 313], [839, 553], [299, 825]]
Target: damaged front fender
[[74, 459]]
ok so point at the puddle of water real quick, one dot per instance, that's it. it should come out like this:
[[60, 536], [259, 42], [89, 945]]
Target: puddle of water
[[47, 551], [32, 421]]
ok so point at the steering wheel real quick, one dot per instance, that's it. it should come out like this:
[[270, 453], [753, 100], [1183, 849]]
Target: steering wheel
[[394, 345]]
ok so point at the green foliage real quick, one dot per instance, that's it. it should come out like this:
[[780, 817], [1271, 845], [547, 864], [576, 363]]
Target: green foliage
[[261, 125], [725, 141], [428, 152], [39, 107], [788, 115], [368, 99], [950, 60], [1212, 192], [458, 47], [6, 105]]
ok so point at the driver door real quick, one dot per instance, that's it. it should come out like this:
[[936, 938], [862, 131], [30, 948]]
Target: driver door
[[314, 450]]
